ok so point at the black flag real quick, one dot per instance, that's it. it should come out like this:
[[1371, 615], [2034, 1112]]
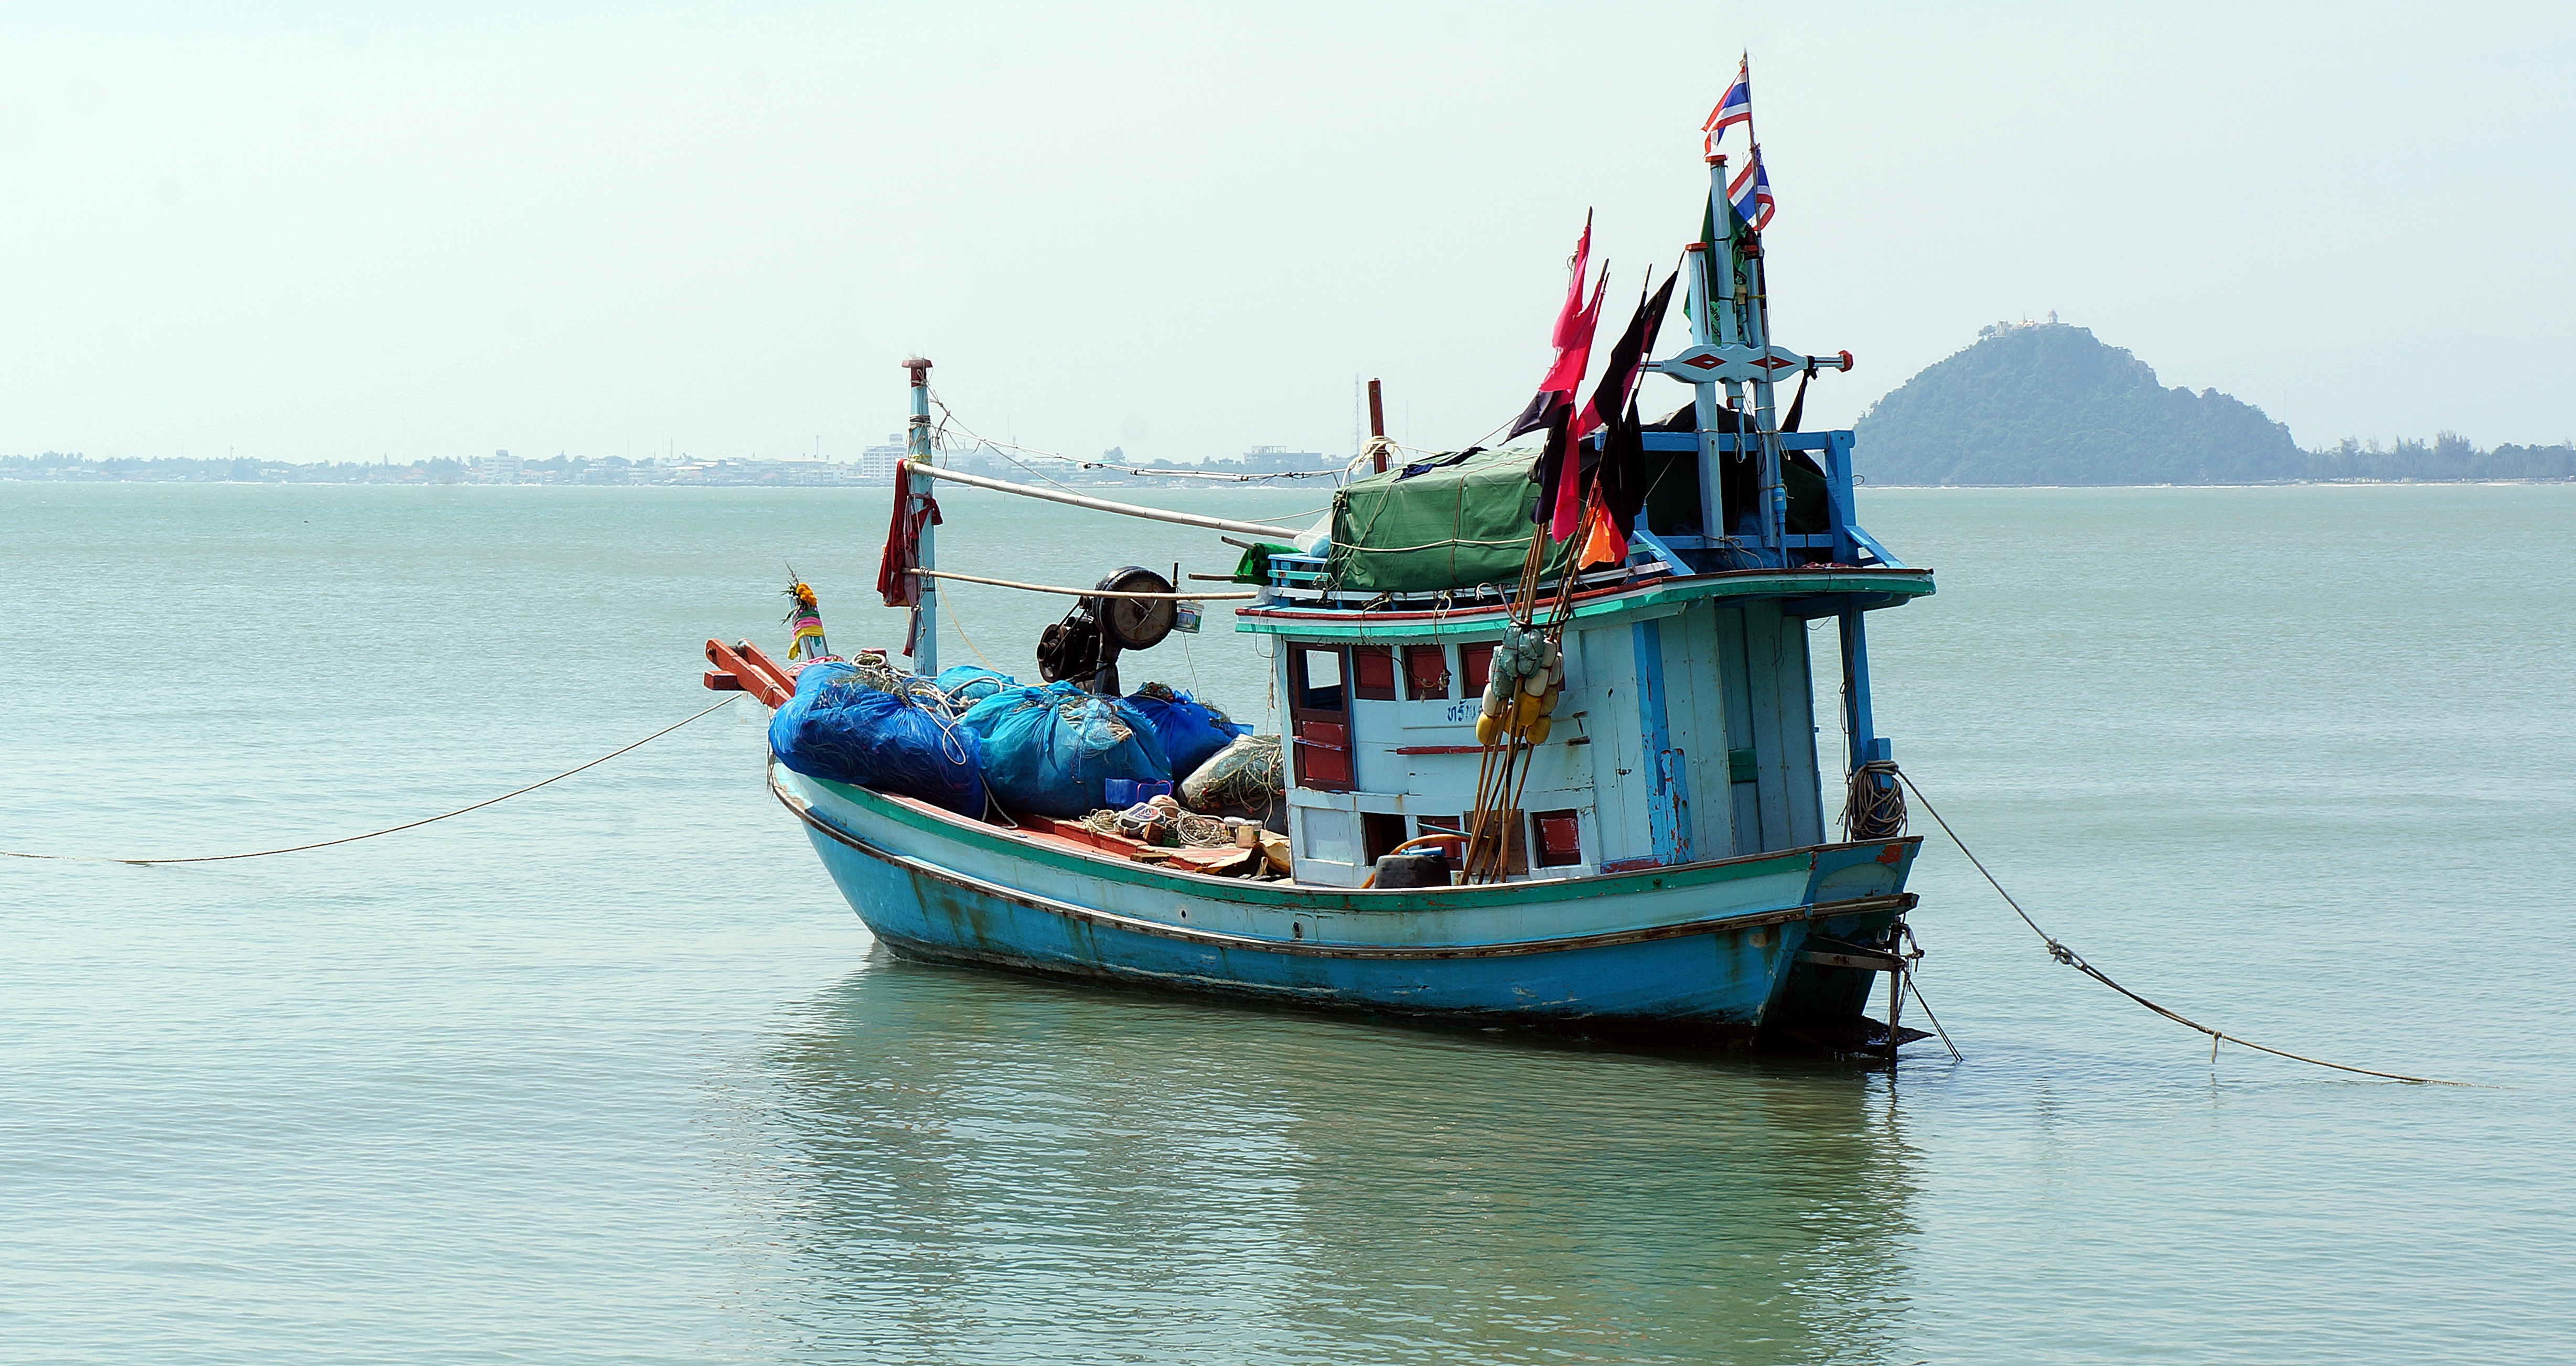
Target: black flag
[[1619, 373]]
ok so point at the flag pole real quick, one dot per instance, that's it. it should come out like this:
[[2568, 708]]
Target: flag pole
[[1757, 333], [1703, 315]]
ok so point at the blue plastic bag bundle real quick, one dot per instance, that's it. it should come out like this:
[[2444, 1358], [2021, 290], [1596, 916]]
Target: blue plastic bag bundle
[[1191, 731], [1049, 750], [964, 685], [841, 728]]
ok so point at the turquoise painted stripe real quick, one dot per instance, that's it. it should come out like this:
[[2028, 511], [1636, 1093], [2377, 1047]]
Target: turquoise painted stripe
[[1408, 901], [1901, 585]]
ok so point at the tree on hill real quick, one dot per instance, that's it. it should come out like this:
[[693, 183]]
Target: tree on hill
[[2046, 403]]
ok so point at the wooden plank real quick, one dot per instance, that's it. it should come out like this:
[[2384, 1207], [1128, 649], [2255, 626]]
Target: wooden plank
[[1771, 706], [1798, 731], [1610, 695], [1694, 667], [1744, 807], [1668, 819]]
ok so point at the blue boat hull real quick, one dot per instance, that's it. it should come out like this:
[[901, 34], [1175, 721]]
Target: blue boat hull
[[1720, 958]]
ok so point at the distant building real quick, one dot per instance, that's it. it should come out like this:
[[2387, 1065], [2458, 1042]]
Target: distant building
[[1278, 460], [876, 463], [502, 468]]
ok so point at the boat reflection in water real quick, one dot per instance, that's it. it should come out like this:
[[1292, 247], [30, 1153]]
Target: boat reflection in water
[[966, 1166]]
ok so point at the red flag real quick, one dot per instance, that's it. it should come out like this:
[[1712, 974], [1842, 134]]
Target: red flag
[[1574, 351], [1572, 339], [896, 584], [1569, 483]]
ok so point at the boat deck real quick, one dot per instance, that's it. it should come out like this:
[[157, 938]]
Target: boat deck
[[1080, 838]]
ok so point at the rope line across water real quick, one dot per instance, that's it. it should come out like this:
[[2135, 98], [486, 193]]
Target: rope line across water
[[389, 830], [2059, 951]]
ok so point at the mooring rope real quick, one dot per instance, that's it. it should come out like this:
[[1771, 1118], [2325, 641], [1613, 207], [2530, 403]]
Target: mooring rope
[[412, 825], [2058, 950]]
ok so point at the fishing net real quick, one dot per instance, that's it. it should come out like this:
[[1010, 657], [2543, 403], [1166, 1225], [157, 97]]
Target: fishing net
[[873, 672], [1191, 731], [846, 725], [964, 685], [1248, 778], [1051, 750]]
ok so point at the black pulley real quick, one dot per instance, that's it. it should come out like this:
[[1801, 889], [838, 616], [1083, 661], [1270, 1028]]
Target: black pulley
[[1070, 648], [1133, 623]]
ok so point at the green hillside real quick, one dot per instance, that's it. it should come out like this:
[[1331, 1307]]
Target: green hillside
[[2046, 403]]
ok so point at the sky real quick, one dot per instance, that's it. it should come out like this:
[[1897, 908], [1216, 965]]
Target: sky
[[309, 232]]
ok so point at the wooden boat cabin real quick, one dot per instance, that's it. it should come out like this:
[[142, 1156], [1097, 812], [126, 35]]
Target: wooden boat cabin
[[1686, 729]]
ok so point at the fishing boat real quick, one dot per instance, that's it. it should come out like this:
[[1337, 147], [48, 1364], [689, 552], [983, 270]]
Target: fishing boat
[[1634, 839]]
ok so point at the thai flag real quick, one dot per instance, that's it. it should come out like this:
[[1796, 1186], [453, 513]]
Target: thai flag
[[1736, 107], [1751, 192]]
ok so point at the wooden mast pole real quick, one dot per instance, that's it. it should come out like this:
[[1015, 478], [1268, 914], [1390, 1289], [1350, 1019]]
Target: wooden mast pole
[[1377, 425], [916, 483]]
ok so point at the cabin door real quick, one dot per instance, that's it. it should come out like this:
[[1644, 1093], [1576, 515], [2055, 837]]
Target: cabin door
[[1770, 728]]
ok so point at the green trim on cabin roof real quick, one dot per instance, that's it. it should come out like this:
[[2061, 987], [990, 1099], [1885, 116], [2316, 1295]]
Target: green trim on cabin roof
[[1901, 585]]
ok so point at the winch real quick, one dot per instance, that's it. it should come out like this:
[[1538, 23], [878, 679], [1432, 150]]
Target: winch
[[1084, 647]]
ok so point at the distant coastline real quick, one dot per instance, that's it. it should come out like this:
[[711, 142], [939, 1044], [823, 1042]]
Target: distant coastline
[[616, 471]]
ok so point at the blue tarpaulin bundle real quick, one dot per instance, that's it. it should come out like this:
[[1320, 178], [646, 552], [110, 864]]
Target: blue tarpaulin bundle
[[840, 728], [1047, 750], [1191, 731], [964, 685]]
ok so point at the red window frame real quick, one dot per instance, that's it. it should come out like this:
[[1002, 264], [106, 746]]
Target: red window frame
[[1477, 663], [1560, 837], [1320, 735], [1426, 673], [1373, 673]]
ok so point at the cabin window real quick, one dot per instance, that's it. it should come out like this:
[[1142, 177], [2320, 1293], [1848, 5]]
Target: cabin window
[[1560, 838], [1426, 673], [1477, 663], [1315, 677], [1380, 833], [1373, 673], [1324, 836], [1456, 826], [1319, 718]]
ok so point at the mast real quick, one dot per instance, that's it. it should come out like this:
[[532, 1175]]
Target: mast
[[1756, 303], [1377, 427], [1704, 332], [925, 649]]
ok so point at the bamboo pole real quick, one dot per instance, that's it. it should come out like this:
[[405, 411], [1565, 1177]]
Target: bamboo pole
[[1080, 592], [1261, 529]]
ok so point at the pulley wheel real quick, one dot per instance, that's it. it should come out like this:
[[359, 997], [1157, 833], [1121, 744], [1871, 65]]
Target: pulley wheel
[[1134, 623]]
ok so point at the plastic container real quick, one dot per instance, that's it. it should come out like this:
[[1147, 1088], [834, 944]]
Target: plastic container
[[1119, 793]]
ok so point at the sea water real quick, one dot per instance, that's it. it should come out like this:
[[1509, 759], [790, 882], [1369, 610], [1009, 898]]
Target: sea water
[[609, 1072]]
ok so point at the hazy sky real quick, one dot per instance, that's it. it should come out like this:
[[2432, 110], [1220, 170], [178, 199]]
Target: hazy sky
[[346, 231]]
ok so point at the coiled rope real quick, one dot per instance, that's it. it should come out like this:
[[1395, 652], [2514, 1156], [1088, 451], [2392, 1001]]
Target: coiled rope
[[2058, 950], [1875, 807], [389, 830]]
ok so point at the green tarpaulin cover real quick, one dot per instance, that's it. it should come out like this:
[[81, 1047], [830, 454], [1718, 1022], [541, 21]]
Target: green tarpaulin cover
[[1254, 567], [1455, 526]]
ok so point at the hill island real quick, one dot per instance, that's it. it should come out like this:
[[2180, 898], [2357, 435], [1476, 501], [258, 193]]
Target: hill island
[[2048, 403]]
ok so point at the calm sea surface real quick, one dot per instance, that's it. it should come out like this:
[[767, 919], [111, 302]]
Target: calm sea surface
[[611, 1073]]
